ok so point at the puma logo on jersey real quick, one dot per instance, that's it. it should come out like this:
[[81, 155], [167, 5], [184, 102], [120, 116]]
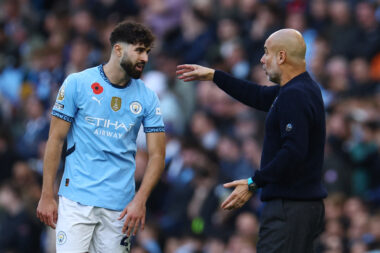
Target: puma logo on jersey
[[97, 100]]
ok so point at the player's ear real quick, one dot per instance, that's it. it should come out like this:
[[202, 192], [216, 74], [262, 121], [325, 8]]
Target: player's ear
[[118, 49]]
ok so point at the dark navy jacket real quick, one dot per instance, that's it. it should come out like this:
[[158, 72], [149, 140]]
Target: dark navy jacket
[[292, 157]]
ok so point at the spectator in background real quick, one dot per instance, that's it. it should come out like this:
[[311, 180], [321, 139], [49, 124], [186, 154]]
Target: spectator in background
[[44, 75], [179, 176], [227, 33], [318, 14], [148, 239], [233, 165], [237, 243], [204, 201], [365, 158], [204, 129], [368, 42], [266, 22], [7, 156], [247, 10], [36, 129], [194, 38], [362, 84], [337, 76], [340, 32], [28, 183], [374, 232], [247, 226], [79, 56], [166, 62], [116, 9], [19, 233], [170, 106], [252, 152], [337, 169], [163, 16], [214, 245]]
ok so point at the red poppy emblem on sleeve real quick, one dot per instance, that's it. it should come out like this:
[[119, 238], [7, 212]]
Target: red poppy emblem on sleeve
[[97, 88]]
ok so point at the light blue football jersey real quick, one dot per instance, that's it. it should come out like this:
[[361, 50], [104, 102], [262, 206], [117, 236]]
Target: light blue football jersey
[[101, 143]]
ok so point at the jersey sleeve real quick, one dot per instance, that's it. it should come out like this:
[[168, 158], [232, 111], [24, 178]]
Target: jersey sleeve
[[153, 121], [65, 106]]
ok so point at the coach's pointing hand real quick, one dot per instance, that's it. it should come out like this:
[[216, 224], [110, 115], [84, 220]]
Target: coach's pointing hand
[[239, 196], [192, 72]]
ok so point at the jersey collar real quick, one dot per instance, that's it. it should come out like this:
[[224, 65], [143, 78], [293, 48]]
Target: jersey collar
[[105, 78]]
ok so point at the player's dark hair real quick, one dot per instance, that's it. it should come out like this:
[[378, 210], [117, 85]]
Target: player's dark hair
[[132, 33]]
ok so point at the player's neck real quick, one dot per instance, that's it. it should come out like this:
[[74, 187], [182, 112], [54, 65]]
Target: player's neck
[[115, 74]]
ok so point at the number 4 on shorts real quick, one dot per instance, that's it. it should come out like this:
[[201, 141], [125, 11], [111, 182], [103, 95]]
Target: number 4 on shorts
[[126, 242]]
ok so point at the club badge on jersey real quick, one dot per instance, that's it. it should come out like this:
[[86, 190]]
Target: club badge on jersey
[[135, 107]]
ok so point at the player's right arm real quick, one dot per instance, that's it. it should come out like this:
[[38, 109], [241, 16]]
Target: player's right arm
[[47, 210]]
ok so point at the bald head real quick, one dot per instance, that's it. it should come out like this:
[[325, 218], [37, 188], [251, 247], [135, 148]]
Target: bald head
[[290, 41], [284, 56]]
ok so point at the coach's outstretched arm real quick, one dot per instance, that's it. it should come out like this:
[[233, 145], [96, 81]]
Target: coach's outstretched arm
[[136, 209], [47, 206], [260, 97]]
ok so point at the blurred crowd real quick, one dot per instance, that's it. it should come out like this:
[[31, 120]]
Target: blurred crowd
[[211, 138]]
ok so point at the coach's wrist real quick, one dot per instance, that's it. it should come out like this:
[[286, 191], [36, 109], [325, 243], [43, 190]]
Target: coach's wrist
[[252, 186], [210, 76]]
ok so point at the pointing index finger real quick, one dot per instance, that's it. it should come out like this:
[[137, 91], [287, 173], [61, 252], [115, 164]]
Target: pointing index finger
[[185, 66], [230, 184]]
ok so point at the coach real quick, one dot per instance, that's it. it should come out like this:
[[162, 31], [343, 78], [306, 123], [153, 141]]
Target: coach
[[291, 163]]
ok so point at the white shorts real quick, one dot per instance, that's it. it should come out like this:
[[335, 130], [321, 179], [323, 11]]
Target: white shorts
[[91, 229]]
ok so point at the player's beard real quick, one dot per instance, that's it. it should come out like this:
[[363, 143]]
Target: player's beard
[[130, 68]]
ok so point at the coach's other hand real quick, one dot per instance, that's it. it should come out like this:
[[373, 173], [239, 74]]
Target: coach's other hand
[[192, 72], [47, 211], [239, 196]]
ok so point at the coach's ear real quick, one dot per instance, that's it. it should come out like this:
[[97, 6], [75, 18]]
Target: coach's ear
[[281, 57]]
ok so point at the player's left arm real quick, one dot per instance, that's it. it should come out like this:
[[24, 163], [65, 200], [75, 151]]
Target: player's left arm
[[136, 209]]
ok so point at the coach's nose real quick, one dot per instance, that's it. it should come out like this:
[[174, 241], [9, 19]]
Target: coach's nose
[[262, 59]]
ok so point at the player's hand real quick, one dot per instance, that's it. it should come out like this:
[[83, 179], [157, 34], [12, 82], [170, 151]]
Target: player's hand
[[191, 72], [47, 211], [135, 212], [239, 196]]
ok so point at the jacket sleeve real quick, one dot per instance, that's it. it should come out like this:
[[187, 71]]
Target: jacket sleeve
[[251, 94]]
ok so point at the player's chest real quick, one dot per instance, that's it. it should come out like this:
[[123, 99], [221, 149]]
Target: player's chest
[[111, 104]]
